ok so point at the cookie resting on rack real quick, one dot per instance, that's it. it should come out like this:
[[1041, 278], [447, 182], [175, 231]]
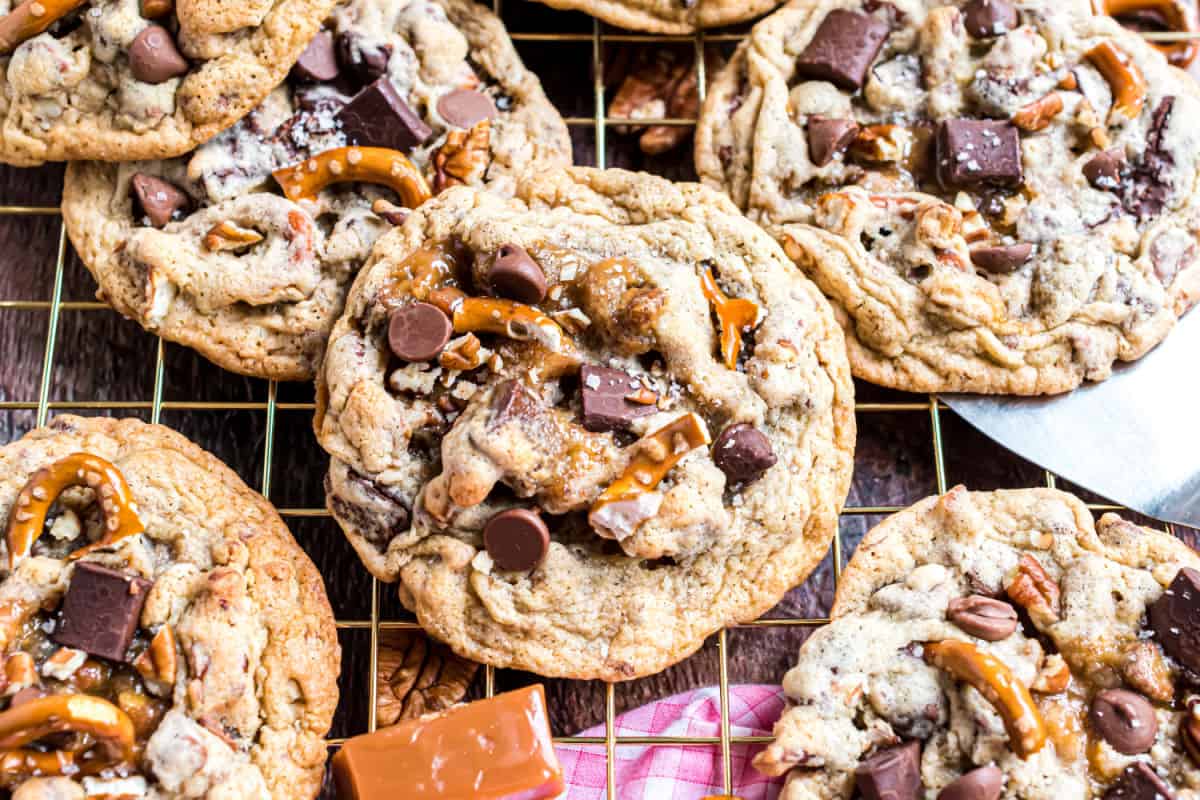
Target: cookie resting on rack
[[244, 249], [988, 644], [668, 16], [996, 197], [161, 634], [586, 426], [122, 79]]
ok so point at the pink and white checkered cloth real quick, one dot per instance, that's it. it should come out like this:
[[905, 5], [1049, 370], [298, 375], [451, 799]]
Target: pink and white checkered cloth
[[675, 772]]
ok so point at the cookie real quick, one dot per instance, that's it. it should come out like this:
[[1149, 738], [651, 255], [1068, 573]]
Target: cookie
[[995, 197], [586, 426], [389, 103], [668, 16], [988, 643], [159, 620], [128, 79]]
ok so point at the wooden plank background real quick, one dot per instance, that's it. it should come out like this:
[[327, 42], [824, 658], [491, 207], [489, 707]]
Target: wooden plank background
[[101, 357]]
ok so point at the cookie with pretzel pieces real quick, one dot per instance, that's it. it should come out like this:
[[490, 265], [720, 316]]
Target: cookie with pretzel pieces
[[122, 79], [245, 248], [668, 16], [161, 633], [585, 427], [996, 197], [988, 644]]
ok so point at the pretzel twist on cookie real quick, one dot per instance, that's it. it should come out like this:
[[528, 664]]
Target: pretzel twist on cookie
[[380, 165], [59, 713]]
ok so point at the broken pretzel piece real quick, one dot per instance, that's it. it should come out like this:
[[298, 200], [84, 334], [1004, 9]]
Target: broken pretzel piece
[[1124, 77], [28, 515], [228, 235], [734, 314], [630, 499], [60, 713], [31, 18], [1037, 115], [995, 681], [391, 168], [508, 318], [1177, 16]]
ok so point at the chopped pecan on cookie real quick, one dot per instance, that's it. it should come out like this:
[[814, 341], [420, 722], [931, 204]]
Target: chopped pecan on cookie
[[245, 248], [584, 426], [996, 195], [985, 701], [660, 82], [143, 647]]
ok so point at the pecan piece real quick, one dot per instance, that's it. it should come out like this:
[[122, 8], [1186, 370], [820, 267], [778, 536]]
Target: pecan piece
[[1035, 591], [463, 157], [1146, 670], [417, 676]]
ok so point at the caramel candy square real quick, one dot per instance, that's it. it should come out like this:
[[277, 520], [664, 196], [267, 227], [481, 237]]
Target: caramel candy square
[[495, 749]]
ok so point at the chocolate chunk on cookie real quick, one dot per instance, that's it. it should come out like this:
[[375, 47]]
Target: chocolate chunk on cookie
[[1175, 619], [101, 610], [318, 62], [517, 539], [891, 774], [606, 403], [379, 117], [153, 56], [1001, 259], [828, 138], [156, 199], [1125, 720], [984, 19], [984, 783], [1139, 781], [743, 453], [971, 152], [462, 108], [418, 331], [843, 48], [365, 60]]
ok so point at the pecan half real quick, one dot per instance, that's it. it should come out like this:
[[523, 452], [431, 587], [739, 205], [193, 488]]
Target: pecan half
[[662, 83], [417, 676], [463, 157], [1035, 591]]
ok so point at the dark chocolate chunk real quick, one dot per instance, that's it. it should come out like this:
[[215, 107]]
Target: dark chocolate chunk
[[1189, 734], [1150, 179], [891, 774], [1103, 171], [364, 60], [1001, 259], [605, 404], [828, 137], [1139, 781], [101, 610], [1175, 619], [974, 151], [984, 783], [462, 108], [1125, 720], [842, 49], [511, 400], [516, 539], [156, 199], [984, 19], [153, 56], [317, 62], [515, 275], [983, 617], [743, 453], [418, 331], [379, 117]]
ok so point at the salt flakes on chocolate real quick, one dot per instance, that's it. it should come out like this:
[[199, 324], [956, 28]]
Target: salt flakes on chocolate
[[978, 151], [606, 399], [379, 117], [101, 611]]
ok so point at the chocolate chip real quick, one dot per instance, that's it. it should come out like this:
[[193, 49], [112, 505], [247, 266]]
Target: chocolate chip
[[605, 407], [364, 60], [153, 56], [1103, 171], [1175, 619], [379, 117], [1001, 259], [515, 275], [984, 783], [983, 617], [974, 151], [828, 137], [101, 610], [317, 62], [462, 108], [984, 19], [517, 539], [1125, 720], [842, 49], [1139, 781], [418, 331], [891, 774], [156, 199], [743, 453]]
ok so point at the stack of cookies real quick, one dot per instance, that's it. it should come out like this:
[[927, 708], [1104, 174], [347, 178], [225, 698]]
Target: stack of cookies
[[583, 419]]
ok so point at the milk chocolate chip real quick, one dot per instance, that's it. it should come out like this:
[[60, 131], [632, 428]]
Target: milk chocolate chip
[[418, 331], [891, 774], [1175, 619], [1139, 781], [515, 275], [153, 56], [743, 453], [516, 539], [984, 19], [829, 137], [1001, 259], [462, 108], [842, 49], [379, 117], [983, 617], [1103, 171], [1125, 720], [317, 62], [157, 199], [984, 783]]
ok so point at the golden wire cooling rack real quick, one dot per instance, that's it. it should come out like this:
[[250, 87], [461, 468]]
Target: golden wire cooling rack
[[586, 94]]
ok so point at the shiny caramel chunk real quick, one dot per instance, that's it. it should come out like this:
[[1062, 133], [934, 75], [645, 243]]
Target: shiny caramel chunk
[[491, 749]]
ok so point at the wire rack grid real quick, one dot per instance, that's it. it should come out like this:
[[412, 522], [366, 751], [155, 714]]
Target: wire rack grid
[[599, 123]]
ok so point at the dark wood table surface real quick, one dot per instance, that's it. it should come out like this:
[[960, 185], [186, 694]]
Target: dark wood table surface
[[102, 364]]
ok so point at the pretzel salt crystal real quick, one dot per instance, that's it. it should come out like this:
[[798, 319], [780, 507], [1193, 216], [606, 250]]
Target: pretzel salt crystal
[[381, 165], [59, 713], [1124, 77], [734, 314], [31, 18], [28, 514]]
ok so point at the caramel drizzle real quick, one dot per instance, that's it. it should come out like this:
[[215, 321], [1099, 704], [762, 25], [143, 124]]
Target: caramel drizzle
[[734, 315]]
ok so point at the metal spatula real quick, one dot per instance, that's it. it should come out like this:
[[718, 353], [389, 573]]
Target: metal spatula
[[1134, 438]]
